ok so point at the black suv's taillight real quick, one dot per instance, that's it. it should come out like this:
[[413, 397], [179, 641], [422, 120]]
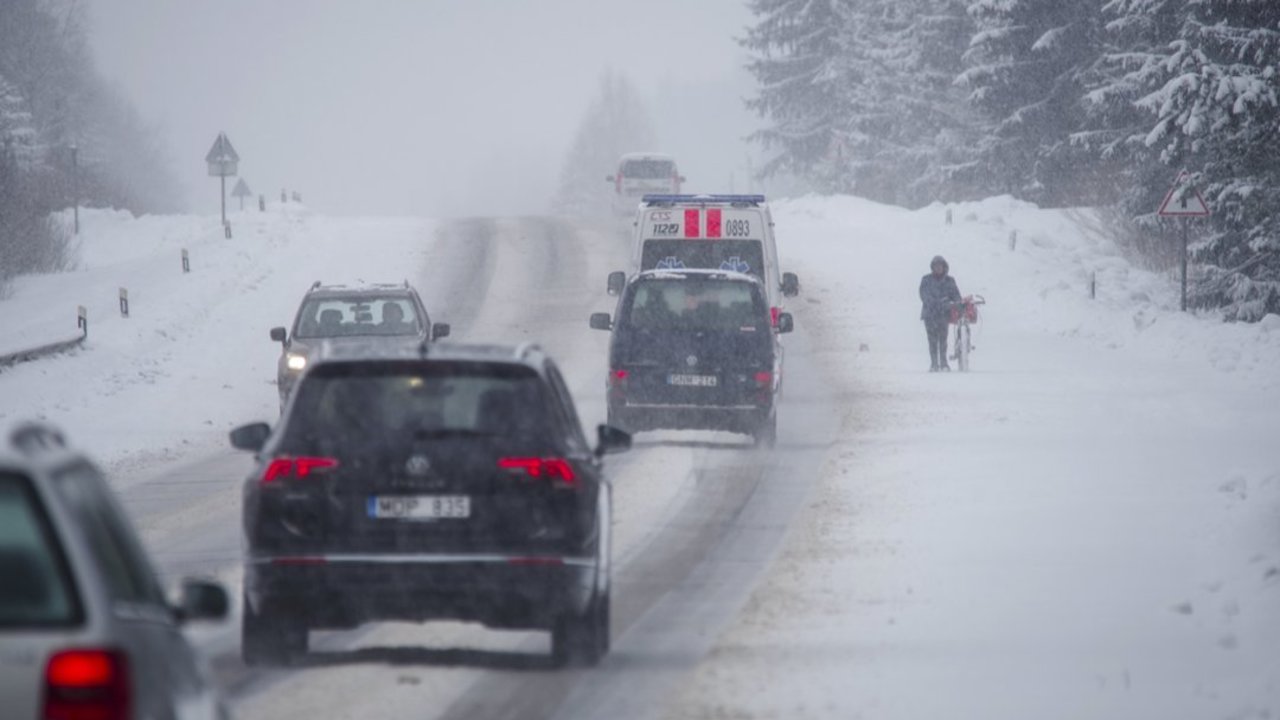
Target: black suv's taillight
[[556, 470], [296, 467]]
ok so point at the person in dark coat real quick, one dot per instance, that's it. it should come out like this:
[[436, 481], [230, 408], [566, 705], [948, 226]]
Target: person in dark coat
[[937, 291]]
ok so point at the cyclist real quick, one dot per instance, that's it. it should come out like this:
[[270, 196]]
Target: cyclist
[[937, 290]]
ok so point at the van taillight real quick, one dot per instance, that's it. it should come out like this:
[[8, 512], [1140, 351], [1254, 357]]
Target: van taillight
[[617, 376], [774, 312], [299, 467], [764, 378], [86, 684], [557, 470]]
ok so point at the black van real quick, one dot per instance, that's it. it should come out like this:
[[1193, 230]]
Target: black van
[[694, 349]]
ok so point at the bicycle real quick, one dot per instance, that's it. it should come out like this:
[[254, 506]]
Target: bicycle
[[963, 314]]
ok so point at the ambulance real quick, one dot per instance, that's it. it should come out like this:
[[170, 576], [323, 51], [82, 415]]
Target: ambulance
[[712, 232]]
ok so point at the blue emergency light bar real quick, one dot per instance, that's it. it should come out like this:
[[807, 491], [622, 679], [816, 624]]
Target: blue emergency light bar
[[706, 199]]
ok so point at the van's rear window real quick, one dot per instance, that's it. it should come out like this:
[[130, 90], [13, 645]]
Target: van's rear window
[[648, 169], [35, 585]]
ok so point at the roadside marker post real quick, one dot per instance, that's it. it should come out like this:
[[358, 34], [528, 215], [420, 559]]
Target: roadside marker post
[[82, 320], [1183, 201], [186, 261], [124, 303]]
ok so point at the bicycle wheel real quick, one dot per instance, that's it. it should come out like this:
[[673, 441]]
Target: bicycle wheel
[[962, 346]]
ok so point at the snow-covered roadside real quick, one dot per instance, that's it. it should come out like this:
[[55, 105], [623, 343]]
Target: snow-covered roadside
[[1085, 526], [193, 358]]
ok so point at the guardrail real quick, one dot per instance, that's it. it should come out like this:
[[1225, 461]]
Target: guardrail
[[53, 348]]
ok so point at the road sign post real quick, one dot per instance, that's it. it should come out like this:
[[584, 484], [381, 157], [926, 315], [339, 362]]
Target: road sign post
[[1183, 201], [223, 162], [241, 191]]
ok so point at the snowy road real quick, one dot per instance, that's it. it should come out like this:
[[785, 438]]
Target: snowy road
[[697, 517], [1084, 526]]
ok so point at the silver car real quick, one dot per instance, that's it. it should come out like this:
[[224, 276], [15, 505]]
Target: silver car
[[349, 314], [85, 630]]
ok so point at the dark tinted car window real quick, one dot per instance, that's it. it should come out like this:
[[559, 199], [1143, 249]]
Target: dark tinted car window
[[744, 256], [116, 551], [346, 317], [35, 587], [344, 406]]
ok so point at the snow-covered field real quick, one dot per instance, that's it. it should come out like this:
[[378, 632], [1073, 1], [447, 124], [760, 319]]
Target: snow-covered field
[[1085, 526]]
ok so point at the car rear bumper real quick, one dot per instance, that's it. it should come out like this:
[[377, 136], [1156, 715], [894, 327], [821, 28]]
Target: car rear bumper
[[345, 590], [738, 418]]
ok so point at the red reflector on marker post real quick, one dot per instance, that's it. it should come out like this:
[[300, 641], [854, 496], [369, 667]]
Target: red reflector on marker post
[[713, 222], [691, 223]]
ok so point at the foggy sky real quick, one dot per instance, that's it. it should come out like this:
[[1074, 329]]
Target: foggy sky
[[421, 107]]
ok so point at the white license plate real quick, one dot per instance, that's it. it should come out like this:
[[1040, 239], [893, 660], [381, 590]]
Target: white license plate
[[693, 380], [419, 507]]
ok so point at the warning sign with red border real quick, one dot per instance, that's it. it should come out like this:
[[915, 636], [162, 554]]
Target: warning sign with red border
[[1183, 199]]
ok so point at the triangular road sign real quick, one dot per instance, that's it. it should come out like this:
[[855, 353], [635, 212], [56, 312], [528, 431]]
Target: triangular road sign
[[1183, 199], [222, 151]]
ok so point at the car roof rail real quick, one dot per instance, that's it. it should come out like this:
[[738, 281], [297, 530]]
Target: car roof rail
[[32, 438], [524, 348]]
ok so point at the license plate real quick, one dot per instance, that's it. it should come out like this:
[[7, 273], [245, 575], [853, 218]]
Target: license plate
[[419, 507], [693, 380]]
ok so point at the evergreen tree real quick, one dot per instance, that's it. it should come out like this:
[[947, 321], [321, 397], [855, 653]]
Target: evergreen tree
[[615, 123], [803, 90], [906, 128], [1028, 66], [1194, 85]]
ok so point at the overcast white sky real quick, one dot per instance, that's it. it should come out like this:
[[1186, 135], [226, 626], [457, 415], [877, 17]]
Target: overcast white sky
[[423, 107]]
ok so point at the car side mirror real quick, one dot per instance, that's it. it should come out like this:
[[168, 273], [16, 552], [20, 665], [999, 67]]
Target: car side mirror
[[785, 323], [439, 330], [790, 284], [601, 321], [611, 440], [617, 282], [608, 178], [203, 600], [250, 437], [280, 335]]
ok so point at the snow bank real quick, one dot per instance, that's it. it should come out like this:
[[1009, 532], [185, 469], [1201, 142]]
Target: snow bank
[[1083, 526]]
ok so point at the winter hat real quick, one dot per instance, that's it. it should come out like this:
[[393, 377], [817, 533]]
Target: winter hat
[[939, 259]]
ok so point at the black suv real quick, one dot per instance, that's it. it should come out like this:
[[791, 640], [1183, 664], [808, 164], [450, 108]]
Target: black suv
[[693, 349], [350, 314], [419, 482]]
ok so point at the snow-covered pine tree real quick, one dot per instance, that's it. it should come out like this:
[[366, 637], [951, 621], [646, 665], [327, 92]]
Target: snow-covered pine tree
[[1028, 65], [907, 124], [616, 122], [795, 49], [1213, 106]]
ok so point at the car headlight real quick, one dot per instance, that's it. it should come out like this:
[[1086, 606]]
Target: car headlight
[[295, 362]]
